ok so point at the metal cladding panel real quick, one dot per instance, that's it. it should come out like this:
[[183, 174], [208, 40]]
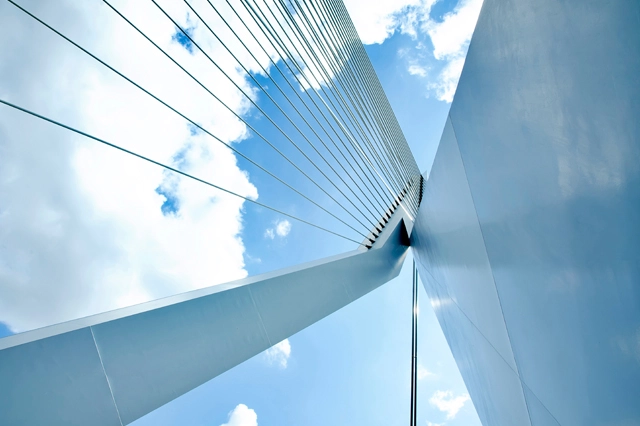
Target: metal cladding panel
[[307, 301], [540, 416], [486, 373], [546, 118], [455, 252], [455, 271], [156, 356], [36, 389]]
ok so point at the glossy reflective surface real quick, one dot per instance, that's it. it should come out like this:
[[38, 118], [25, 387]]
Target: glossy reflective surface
[[529, 232]]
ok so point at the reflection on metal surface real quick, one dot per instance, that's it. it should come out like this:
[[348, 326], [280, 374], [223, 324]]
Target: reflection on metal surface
[[115, 367], [530, 223]]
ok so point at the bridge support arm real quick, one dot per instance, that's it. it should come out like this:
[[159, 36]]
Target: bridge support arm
[[115, 367]]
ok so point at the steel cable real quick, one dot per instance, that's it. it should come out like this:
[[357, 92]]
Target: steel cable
[[275, 65], [157, 163], [186, 34], [338, 97], [336, 72], [184, 116], [392, 122], [290, 102], [346, 20], [287, 53], [346, 64]]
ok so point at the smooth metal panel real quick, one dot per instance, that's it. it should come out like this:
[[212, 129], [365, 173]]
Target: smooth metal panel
[[540, 416], [157, 351], [36, 389], [307, 301], [454, 251], [449, 248], [547, 117], [154, 357], [487, 375]]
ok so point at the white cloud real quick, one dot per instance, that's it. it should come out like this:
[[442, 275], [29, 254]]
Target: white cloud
[[279, 353], [447, 81], [435, 424], [447, 403], [449, 36], [281, 229], [423, 373], [242, 416], [417, 70], [82, 228], [375, 21]]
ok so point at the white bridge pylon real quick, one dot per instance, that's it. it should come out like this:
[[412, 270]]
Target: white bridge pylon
[[115, 367]]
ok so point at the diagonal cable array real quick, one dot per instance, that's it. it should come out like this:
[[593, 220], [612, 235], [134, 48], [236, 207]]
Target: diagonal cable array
[[307, 74], [167, 167]]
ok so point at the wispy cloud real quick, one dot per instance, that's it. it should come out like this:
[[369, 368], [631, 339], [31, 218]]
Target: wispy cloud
[[423, 373], [417, 70], [448, 37], [281, 229], [446, 83], [447, 403], [375, 21], [242, 416], [451, 36], [279, 353]]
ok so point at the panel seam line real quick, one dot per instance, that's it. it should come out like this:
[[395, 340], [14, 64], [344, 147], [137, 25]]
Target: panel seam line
[[105, 375], [259, 316]]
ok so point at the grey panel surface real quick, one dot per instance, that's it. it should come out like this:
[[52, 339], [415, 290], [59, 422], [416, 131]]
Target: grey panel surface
[[453, 264], [546, 118], [486, 373], [455, 252], [136, 359], [156, 356], [37, 389], [540, 416]]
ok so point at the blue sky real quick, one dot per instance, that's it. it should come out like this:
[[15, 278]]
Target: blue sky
[[350, 368]]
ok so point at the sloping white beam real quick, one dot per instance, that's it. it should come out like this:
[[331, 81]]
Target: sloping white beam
[[112, 368]]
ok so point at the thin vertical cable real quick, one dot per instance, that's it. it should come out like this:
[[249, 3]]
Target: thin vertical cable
[[414, 349]]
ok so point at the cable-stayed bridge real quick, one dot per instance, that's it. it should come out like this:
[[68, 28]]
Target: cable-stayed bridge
[[329, 122], [524, 234]]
